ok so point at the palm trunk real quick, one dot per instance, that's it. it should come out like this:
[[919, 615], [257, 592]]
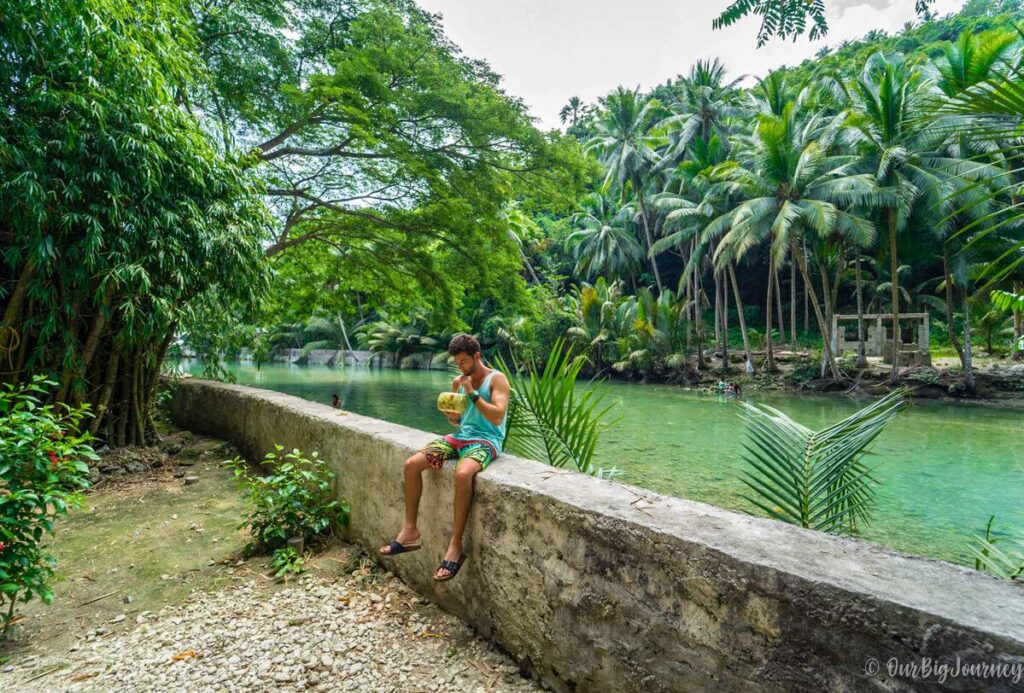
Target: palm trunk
[[862, 359], [1018, 325], [718, 315], [699, 307], [792, 304], [689, 317], [743, 321], [807, 313], [770, 360], [840, 266], [950, 327], [650, 242], [529, 268], [725, 322], [968, 361], [807, 323], [778, 307], [826, 293], [894, 268], [813, 297]]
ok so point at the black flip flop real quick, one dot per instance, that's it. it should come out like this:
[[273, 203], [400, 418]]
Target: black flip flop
[[396, 547], [452, 567]]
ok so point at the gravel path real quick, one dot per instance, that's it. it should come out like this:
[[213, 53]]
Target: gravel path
[[364, 632]]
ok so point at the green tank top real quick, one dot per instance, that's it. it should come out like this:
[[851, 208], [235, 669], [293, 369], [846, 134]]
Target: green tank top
[[475, 425]]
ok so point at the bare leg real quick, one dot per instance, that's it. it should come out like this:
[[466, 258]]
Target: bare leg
[[413, 473], [464, 474]]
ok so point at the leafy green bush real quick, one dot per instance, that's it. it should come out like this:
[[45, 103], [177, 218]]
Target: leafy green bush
[[165, 396], [286, 561], [805, 370], [925, 377], [295, 499], [43, 471]]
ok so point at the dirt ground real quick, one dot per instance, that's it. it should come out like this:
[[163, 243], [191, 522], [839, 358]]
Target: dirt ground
[[149, 541], [138, 545]]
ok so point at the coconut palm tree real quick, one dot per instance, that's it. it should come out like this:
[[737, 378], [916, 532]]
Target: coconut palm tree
[[792, 189], [992, 96], [704, 107], [571, 111], [964, 67], [974, 59], [686, 214], [593, 309], [623, 146], [902, 151], [655, 333], [606, 244], [400, 341], [772, 93]]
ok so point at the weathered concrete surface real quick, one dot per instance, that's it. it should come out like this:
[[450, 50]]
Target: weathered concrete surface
[[327, 357], [597, 586]]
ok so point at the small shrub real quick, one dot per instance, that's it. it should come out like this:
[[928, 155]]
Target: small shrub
[[286, 561], [847, 362], [43, 471], [804, 371], [295, 499], [925, 377], [165, 396]]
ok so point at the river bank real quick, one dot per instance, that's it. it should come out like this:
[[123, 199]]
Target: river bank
[[997, 380]]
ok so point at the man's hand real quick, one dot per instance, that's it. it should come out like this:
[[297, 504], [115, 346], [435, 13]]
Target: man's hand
[[466, 382], [453, 418]]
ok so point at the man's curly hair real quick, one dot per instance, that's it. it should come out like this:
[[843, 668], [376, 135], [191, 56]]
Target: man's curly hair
[[463, 343]]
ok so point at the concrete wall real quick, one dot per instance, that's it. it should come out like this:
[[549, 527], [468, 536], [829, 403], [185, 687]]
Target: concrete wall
[[599, 586]]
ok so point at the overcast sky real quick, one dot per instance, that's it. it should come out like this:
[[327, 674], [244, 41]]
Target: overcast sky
[[549, 50]]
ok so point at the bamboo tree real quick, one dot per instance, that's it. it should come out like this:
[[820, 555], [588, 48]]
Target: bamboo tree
[[120, 216]]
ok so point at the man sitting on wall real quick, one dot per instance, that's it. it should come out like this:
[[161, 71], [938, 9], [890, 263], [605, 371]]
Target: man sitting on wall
[[475, 445]]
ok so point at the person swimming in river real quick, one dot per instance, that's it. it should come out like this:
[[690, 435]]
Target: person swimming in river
[[335, 402], [475, 446], [729, 389]]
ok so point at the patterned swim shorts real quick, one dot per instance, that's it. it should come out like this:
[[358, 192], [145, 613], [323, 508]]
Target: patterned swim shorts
[[437, 451]]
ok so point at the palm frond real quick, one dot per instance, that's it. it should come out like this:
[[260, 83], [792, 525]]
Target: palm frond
[[552, 421], [814, 479]]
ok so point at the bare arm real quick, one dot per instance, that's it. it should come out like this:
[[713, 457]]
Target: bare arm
[[494, 411]]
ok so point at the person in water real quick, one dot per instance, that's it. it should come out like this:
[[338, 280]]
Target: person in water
[[476, 444], [335, 402]]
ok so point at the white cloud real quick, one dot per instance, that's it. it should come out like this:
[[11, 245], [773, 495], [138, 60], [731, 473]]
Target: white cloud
[[839, 7]]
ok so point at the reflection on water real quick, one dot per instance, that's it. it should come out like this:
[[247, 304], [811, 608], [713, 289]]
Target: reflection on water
[[943, 467]]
